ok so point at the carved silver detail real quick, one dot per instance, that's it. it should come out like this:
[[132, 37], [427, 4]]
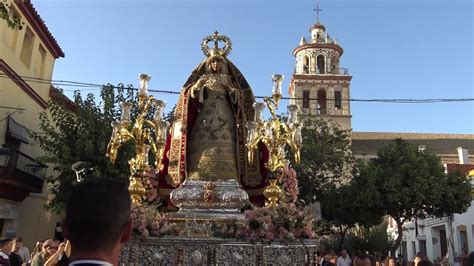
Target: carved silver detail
[[228, 199], [216, 251]]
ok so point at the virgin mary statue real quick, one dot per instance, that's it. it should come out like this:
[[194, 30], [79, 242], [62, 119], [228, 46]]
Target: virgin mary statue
[[207, 138]]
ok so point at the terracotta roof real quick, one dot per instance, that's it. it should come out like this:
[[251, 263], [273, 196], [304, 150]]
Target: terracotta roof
[[445, 145], [463, 168], [404, 135], [58, 97], [30, 13]]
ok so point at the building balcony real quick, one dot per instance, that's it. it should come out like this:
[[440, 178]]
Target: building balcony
[[20, 175], [334, 71]]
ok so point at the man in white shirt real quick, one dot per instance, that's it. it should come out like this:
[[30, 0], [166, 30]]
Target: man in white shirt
[[97, 221], [344, 259]]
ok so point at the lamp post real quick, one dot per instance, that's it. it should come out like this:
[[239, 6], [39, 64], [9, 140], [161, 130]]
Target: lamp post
[[148, 134], [276, 135]]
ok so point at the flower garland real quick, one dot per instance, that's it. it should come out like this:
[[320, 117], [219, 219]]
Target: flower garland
[[285, 222], [290, 185], [151, 186], [146, 221]]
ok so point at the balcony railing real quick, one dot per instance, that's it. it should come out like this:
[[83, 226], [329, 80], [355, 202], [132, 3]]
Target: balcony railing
[[20, 171], [334, 71]]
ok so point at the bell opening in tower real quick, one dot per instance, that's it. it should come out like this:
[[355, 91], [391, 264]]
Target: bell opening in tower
[[320, 62], [306, 65]]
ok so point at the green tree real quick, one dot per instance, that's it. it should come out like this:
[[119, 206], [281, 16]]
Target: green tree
[[324, 175], [412, 184], [350, 206], [374, 239], [11, 18], [80, 130], [326, 159]]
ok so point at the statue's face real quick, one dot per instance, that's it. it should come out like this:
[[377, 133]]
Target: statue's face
[[216, 65]]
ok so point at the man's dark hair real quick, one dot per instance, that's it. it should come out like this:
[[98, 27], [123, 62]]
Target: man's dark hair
[[469, 260], [96, 214], [425, 263], [364, 256]]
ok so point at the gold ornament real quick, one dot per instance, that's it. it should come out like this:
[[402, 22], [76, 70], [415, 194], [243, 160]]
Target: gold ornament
[[275, 134], [137, 190], [216, 37], [146, 133], [272, 192]]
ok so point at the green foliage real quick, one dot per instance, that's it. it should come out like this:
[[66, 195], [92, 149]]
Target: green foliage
[[13, 20], [324, 175], [351, 205], [372, 240], [411, 184], [326, 159], [348, 206], [80, 131]]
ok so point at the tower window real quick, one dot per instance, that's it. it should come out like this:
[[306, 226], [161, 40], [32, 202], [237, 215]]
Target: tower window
[[306, 65], [321, 64], [27, 47], [322, 102], [338, 100], [305, 99]]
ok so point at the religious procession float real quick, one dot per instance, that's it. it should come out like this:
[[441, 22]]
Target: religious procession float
[[220, 190]]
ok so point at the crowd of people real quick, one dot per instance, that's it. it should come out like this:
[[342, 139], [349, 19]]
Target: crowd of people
[[96, 226], [48, 252], [363, 259]]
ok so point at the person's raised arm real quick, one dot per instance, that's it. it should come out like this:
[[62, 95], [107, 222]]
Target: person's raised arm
[[53, 260]]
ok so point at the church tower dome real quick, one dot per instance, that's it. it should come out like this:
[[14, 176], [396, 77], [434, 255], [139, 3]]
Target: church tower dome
[[321, 44], [316, 29], [319, 85]]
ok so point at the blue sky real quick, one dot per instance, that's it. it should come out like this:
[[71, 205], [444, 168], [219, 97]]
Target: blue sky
[[393, 49]]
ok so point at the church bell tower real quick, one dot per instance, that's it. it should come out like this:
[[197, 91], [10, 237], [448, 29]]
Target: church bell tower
[[319, 85]]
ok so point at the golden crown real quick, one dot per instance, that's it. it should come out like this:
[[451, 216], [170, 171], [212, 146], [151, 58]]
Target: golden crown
[[216, 37]]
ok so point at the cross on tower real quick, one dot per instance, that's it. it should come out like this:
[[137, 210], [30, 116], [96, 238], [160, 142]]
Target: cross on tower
[[317, 11]]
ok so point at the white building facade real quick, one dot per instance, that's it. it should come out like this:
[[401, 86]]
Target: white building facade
[[447, 236]]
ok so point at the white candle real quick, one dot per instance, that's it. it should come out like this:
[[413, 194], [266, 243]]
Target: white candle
[[277, 79], [144, 79]]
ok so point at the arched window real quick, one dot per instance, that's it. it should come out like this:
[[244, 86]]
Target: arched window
[[306, 64], [321, 101], [321, 64], [338, 100]]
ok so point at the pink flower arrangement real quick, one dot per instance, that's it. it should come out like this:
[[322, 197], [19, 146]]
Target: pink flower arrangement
[[151, 186], [290, 185], [147, 221], [284, 222]]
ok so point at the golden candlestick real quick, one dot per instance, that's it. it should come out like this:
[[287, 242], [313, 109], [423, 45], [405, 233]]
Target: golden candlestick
[[276, 135], [146, 133]]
